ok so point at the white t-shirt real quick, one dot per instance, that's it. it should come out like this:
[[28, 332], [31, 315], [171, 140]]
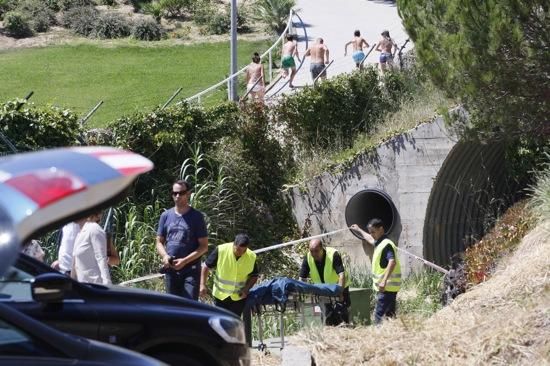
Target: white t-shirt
[[68, 236], [90, 255]]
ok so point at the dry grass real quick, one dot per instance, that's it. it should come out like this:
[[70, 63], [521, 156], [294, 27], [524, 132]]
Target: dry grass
[[264, 359], [504, 321]]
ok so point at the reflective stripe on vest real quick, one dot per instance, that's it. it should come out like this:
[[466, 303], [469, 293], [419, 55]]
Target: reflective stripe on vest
[[393, 283], [232, 274], [329, 274]]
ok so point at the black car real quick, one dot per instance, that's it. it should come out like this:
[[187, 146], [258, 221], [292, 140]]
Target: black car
[[43, 190], [170, 328], [25, 341]]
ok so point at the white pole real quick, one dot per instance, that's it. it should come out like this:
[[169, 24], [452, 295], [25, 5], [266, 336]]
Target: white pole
[[233, 84]]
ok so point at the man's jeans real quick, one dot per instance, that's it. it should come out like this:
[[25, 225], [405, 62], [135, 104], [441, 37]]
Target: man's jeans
[[385, 306]]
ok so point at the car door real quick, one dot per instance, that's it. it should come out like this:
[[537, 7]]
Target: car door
[[72, 315], [18, 347]]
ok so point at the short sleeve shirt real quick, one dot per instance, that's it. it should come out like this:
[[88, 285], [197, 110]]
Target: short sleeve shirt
[[182, 232], [387, 253]]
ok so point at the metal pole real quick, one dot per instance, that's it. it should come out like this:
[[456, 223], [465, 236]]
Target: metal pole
[[270, 68], [171, 98], [20, 104], [233, 85], [321, 73], [85, 119]]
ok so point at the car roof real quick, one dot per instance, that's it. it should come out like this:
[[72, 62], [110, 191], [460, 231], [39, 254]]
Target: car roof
[[45, 189]]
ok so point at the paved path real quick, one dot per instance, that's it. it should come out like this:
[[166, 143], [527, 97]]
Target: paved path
[[336, 20]]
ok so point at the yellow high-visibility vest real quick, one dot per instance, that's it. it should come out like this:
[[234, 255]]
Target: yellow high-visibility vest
[[231, 275], [329, 274], [393, 284]]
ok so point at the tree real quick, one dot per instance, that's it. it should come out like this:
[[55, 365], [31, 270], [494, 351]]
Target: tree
[[492, 55], [274, 13]]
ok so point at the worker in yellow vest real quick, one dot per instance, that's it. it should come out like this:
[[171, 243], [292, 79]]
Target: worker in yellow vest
[[236, 273], [324, 265], [386, 269]]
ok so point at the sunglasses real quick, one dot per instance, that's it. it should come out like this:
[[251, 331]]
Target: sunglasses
[[181, 193]]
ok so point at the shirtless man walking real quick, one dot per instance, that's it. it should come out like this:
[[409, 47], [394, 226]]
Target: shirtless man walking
[[319, 57], [255, 82], [385, 47], [358, 43], [290, 48]]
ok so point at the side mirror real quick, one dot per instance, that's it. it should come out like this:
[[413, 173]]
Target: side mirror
[[50, 287]]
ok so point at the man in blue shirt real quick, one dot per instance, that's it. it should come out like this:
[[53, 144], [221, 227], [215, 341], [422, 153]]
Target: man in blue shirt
[[182, 239]]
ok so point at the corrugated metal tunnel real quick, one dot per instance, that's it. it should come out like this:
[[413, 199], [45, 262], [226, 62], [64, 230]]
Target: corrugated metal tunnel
[[470, 189]]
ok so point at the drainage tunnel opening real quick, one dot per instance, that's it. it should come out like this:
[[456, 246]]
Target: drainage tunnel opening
[[368, 204]]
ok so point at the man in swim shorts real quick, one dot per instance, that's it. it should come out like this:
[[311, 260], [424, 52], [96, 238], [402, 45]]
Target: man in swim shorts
[[319, 57], [358, 43], [290, 48]]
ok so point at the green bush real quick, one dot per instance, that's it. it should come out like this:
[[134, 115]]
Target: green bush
[[69, 4], [161, 136], [218, 23], [7, 5], [176, 8], [154, 9], [39, 15], [335, 111], [81, 20], [32, 128], [273, 13], [147, 30], [202, 11], [17, 25], [108, 2], [108, 26]]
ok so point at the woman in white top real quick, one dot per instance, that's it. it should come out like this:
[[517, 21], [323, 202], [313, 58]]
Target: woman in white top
[[90, 261]]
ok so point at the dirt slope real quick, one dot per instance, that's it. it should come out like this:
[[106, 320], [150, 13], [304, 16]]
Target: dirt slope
[[504, 321]]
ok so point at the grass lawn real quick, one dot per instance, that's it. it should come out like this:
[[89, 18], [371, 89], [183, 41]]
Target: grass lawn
[[126, 78]]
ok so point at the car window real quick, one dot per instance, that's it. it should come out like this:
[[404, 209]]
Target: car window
[[15, 342], [15, 285]]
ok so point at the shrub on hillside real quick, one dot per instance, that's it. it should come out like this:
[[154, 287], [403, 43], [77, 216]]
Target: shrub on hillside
[[81, 20], [7, 5], [30, 127], [17, 25], [161, 134], [482, 257], [109, 26], [69, 4], [147, 30], [176, 8], [335, 111], [107, 2], [219, 21], [331, 114], [39, 15]]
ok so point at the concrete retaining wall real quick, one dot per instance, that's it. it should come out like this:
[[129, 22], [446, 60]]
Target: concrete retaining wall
[[428, 184]]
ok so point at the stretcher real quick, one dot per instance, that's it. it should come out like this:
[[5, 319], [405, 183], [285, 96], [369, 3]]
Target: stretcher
[[283, 295]]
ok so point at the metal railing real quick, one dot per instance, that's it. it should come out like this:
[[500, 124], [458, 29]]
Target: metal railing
[[197, 97], [322, 72], [252, 88], [367, 55]]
